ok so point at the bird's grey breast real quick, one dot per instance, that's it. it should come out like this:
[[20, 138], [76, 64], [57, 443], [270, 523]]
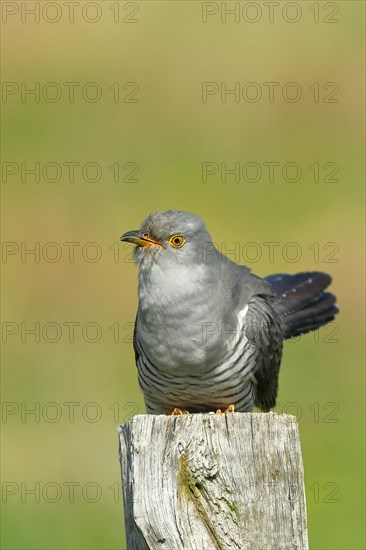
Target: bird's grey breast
[[178, 322]]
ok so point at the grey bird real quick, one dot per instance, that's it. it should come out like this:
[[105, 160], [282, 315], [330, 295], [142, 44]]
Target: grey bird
[[209, 333]]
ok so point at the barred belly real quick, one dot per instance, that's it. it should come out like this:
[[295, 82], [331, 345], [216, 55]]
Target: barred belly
[[230, 383]]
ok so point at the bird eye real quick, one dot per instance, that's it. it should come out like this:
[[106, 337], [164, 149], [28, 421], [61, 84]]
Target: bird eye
[[177, 241]]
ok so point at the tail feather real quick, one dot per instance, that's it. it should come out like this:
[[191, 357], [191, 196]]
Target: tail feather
[[301, 301]]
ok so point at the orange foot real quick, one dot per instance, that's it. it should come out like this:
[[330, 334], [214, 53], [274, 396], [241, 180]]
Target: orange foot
[[178, 411], [230, 409]]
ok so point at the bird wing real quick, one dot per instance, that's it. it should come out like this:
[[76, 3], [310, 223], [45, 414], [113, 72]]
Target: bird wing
[[264, 331], [135, 346]]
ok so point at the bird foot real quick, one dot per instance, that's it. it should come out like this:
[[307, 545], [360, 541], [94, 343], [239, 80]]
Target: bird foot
[[176, 411], [230, 409]]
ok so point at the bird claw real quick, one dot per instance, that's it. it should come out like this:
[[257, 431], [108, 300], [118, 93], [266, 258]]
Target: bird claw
[[230, 409], [177, 411]]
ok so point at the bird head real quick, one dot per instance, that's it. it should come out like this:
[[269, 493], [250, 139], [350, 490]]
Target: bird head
[[171, 235]]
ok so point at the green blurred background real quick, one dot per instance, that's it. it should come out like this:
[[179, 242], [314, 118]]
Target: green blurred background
[[168, 51]]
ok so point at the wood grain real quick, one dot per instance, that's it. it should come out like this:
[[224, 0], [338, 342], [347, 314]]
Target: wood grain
[[205, 481]]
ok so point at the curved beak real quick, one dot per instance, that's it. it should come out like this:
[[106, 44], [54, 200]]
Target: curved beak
[[135, 237]]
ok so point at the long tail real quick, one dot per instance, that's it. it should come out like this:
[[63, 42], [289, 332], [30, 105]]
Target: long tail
[[301, 301]]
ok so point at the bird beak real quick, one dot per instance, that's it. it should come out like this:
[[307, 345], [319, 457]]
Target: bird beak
[[135, 237]]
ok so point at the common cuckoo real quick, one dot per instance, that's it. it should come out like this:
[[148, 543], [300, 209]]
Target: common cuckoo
[[208, 333]]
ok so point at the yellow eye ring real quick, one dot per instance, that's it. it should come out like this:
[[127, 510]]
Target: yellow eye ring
[[177, 241]]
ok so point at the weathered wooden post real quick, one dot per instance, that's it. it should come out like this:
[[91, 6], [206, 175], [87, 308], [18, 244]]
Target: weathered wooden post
[[207, 481]]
